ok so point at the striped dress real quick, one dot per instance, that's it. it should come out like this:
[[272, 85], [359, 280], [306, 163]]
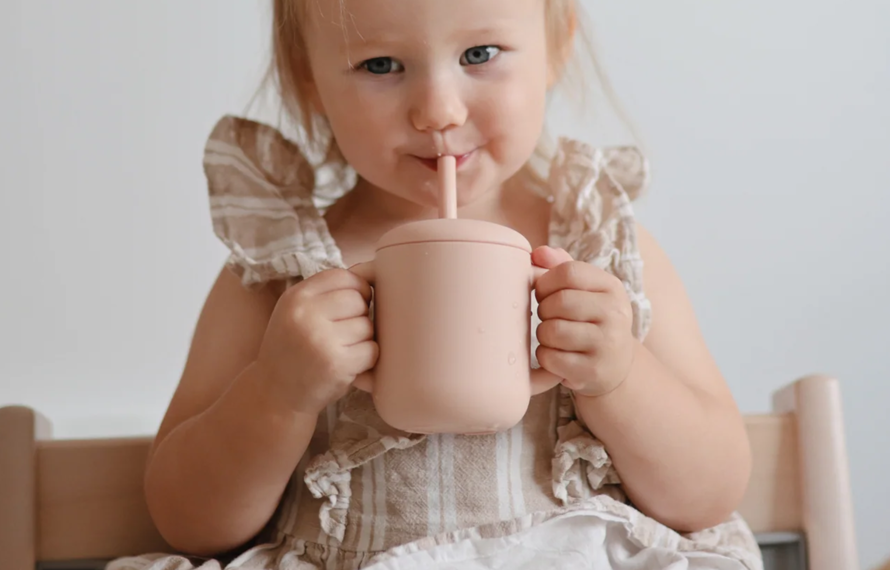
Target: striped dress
[[365, 492]]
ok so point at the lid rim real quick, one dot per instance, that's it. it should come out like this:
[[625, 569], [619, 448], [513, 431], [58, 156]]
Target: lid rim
[[442, 230], [481, 242]]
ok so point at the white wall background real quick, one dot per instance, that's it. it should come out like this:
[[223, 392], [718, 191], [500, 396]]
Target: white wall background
[[767, 123]]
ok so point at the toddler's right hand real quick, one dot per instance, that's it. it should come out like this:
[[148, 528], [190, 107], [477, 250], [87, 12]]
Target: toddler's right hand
[[318, 340]]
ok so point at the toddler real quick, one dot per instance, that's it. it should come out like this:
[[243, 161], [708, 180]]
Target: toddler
[[269, 459]]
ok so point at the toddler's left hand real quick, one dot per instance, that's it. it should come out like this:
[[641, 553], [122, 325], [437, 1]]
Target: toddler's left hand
[[586, 330]]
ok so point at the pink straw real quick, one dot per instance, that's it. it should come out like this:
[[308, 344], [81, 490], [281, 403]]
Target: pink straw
[[447, 168]]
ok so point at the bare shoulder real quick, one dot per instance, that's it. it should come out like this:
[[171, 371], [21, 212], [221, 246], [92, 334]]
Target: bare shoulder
[[661, 282], [226, 340], [675, 336], [659, 276]]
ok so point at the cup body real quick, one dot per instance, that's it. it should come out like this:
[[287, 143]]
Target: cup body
[[452, 321]]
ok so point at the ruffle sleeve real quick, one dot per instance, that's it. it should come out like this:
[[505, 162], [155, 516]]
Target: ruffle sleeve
[[261, 202]]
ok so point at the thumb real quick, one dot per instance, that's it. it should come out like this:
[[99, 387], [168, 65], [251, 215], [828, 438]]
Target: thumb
[[548, 257]]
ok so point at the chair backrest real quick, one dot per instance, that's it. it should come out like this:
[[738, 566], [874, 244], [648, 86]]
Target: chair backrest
[[773, 501], [800, 481], [82, 499], [70, 499]]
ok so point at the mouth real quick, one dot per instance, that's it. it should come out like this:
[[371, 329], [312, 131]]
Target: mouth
[[433, 163]]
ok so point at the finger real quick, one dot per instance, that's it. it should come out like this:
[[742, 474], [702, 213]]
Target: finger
[[575, 275], [574, 305], [569, 336], [354, 331], [548, 257], [334, 280], [362, 356], [342, 304], [567, 365]]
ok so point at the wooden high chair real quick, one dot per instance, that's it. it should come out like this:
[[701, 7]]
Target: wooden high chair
[[71, 504]]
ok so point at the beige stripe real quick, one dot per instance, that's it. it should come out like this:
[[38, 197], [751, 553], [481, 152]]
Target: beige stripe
[[379, 533], [219, 147], [222, 146], [368, 506], [503, 465], [517, 499], [243, 166], [229, 212], [217, 151], [275, 247], [332, 562], [331, 417], [254, 202], [447, 483], [277, 202], [434, 501]]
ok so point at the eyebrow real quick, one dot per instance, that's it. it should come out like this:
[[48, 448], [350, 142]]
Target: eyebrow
[[385, 41], [485, 31]]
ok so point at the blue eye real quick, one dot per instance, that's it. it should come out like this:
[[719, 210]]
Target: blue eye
[[479, 55], [381, 66]]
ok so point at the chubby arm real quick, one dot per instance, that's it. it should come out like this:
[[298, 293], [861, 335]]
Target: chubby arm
[[225, 450], [667, 418]]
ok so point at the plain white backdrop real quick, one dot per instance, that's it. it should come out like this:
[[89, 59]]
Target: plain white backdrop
[[767, 125]]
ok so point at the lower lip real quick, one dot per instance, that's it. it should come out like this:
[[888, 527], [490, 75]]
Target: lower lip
[[433, 164]]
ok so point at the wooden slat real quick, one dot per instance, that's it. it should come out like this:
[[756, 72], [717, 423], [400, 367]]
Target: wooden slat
[[91, 503], [773, 500], [90, 500], [20, 427]]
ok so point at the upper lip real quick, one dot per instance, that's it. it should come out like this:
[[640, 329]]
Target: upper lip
[[436, 156]]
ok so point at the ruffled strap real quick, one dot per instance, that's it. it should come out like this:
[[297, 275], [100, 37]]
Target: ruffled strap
[[593, 220], [261, 203]]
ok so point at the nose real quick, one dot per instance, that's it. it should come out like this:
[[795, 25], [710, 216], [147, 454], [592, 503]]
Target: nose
[[437, 104]]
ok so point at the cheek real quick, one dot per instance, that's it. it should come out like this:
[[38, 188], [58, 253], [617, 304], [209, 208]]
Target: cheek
[[515, 113], [340, 103], [357, 120]]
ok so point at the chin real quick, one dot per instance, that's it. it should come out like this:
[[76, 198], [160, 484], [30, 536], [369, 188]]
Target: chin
[[478, 189]]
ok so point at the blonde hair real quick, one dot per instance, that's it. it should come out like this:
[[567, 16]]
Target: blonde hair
[[290, 74]]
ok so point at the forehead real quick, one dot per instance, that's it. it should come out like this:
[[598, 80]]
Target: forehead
[[362, 21]]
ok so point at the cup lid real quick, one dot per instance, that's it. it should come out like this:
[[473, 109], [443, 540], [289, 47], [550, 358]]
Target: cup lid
[[454, 230]]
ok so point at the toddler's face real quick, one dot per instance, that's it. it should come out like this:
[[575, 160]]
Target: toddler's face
[[389, 73]]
